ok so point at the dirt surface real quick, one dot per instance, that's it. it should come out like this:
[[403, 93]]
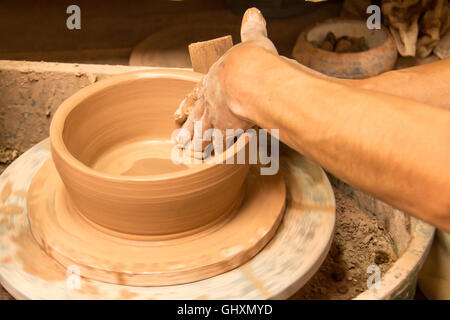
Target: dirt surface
[[4, 295], [7, 155], [359, 242]]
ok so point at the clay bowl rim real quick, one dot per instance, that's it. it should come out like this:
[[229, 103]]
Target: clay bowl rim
[[58, 123], [355, 55]]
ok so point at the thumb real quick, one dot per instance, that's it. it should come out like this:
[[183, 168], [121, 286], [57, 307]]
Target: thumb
[[253, 25], [253, 28]]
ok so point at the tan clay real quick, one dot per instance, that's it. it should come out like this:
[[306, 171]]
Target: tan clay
[[113, 203], [72, 240], [111, 145], [293, 254]]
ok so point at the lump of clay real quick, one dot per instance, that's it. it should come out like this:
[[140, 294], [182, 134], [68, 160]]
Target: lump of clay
[[344, 44], [329, 42]]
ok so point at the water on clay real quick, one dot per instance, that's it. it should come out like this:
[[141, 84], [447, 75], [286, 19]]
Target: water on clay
[[152, 166], [140, 158]]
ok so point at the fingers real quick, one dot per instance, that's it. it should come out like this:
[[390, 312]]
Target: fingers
[[181, 114], [190, 110], [187, 131], [184, 135], [193, 129], [200, 126], [188, 103]]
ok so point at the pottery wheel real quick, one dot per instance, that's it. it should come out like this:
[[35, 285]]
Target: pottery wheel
[[154, 261], [283, 266], [169, 48]]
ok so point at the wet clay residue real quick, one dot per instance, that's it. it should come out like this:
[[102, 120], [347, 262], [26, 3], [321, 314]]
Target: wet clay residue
[[26, 245], [8, 209], [152, 166], [6, 260], [359, 242], [11, 209], [141, 158], [88, 287], [127, 295], [6, 191]]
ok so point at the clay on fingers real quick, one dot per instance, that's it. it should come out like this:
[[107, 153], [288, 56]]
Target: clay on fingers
[[188, 103]]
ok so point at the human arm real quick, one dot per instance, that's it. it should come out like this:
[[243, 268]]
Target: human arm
[[394, 148]]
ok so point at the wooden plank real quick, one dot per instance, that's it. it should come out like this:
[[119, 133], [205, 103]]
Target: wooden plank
[[205, 53]]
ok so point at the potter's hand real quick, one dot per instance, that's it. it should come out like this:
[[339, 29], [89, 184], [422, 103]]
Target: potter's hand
[[209, 102]]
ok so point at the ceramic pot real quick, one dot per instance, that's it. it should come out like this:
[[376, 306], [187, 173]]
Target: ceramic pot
[[111, 145], [380, 57]]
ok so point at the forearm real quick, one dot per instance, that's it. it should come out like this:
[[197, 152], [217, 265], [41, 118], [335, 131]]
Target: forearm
[[396, 149], [427, 83]]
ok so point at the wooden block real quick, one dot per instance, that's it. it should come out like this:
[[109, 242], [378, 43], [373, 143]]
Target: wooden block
[[203, 54]]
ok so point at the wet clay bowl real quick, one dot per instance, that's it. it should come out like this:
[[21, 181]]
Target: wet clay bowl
[[380, 57], [111, 145]]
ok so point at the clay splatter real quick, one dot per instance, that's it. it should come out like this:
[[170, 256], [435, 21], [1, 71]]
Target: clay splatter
[[29, 252], [6, 192], [11, 209]]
